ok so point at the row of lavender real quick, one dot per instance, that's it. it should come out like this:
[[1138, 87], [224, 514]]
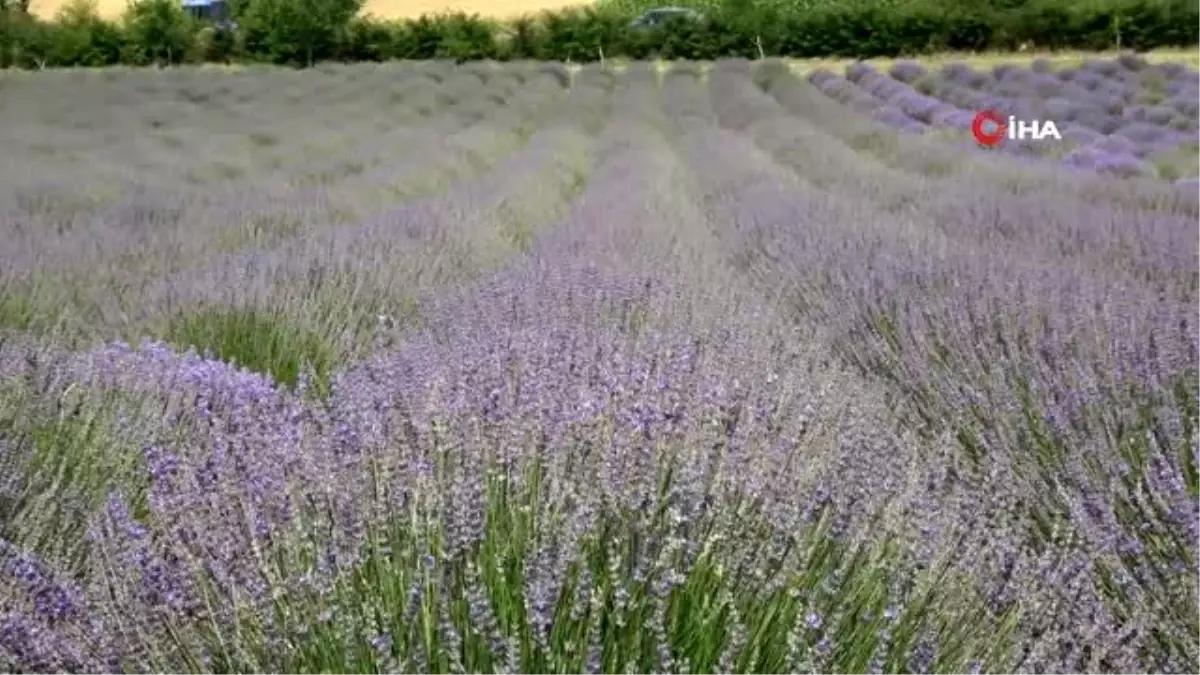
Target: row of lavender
[[222, 176], [1123, 117], [981, 304], [730, 409]]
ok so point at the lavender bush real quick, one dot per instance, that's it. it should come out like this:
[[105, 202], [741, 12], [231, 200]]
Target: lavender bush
[[511, 368]]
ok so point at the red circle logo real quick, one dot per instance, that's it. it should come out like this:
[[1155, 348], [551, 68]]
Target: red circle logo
[[989, 128]]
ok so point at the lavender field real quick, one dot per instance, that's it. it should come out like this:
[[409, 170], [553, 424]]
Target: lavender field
[[1121, 117], [520, 368]]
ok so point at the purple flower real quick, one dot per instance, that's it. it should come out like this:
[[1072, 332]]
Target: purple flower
[[53, 601]]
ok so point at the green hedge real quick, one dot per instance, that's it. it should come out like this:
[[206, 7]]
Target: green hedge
[[300, 32]]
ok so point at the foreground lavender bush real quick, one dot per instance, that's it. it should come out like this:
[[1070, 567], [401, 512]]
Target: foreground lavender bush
[[543, 499], [700, 402]]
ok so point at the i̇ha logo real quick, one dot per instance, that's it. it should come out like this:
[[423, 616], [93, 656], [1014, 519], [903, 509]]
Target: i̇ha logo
[[990, 128]]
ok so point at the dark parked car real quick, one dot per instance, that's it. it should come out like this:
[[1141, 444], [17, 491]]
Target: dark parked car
[[656, 17]]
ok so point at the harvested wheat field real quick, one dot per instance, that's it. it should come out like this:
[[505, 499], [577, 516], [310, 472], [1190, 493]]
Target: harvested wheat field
[[384, 9], [417, 367]]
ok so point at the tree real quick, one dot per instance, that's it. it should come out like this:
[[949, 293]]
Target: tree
[[297, 32], [25, 41], [21, 6], [79, 36], [158, 31]]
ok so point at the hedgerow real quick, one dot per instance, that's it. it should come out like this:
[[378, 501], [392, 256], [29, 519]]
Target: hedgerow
[[301, 32]]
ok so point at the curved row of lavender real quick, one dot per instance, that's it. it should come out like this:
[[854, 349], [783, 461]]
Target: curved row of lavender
[[1120, 117], [695, 372]]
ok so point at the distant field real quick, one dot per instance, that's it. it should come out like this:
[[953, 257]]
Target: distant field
[[388, 9], [1066, 59]]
